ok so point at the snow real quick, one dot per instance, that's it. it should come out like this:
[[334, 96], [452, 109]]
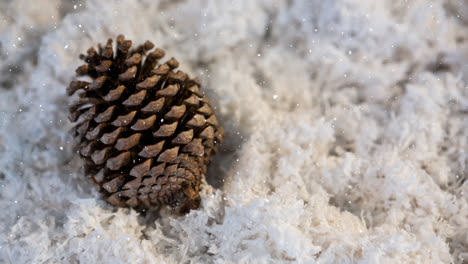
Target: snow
[[345, 120]]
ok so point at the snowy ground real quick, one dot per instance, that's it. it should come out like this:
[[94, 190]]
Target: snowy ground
[[345, 119]]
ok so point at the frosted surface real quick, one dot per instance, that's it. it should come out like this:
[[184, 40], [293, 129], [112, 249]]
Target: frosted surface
[[346, 127]]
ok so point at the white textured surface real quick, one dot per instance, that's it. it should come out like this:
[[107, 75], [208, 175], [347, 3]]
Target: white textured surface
[[343, 144]]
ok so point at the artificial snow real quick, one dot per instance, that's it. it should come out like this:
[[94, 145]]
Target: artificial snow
[[346, 132]]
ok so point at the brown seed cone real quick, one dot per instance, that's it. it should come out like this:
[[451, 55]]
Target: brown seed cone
[[146, 131]]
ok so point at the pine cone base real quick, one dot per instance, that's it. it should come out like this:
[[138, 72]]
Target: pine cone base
[[146, 133]]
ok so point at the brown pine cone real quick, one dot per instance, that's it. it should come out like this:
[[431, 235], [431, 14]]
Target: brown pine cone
[[146, 132]]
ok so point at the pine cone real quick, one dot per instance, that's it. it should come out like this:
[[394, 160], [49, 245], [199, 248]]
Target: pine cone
[[146, 132]]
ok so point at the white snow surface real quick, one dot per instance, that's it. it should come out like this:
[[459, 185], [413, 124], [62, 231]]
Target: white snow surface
[[346, 132]]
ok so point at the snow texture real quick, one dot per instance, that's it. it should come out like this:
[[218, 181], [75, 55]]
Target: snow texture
[[346, 127]]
